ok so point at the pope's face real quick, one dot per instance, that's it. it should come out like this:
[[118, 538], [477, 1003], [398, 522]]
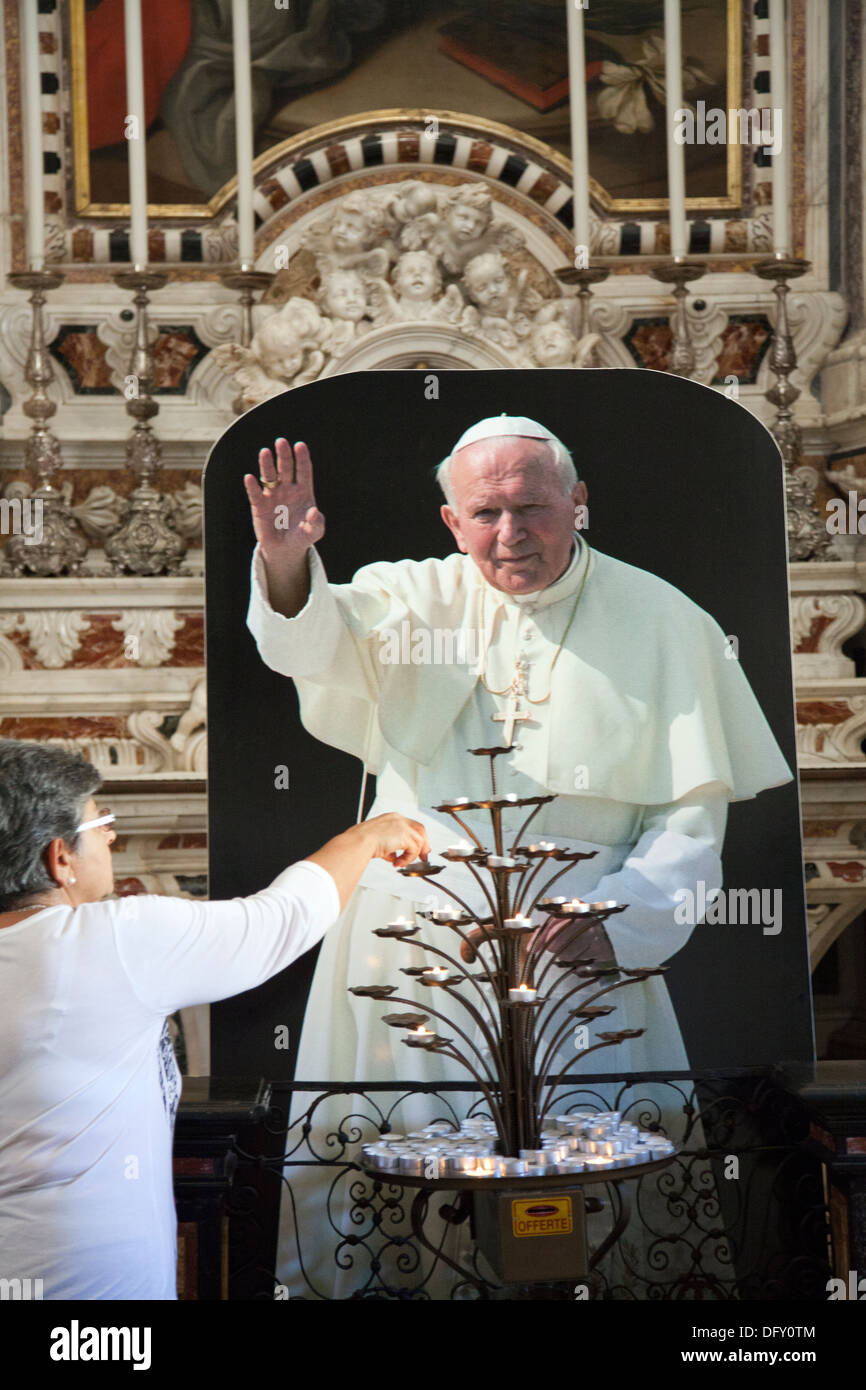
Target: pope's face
[[511, 513]]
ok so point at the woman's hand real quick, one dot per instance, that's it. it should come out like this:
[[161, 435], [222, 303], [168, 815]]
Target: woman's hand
[[389, 837], [397, 839]]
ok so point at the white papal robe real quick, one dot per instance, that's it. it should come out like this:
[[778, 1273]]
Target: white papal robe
[[649, 730]]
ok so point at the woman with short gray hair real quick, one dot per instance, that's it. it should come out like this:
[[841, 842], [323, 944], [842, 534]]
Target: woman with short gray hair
[[88, 1081]]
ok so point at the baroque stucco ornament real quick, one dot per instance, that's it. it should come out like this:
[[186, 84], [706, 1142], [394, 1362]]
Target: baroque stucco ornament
[[417, 255]]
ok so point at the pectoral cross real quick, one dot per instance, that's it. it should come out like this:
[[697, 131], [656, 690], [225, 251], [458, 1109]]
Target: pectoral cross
[[513, 714]]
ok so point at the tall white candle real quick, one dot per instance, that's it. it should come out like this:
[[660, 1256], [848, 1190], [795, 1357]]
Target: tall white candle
[[135, 132], [676, 152], [32, 106], [782, 160], [579, 126], [243, 130]]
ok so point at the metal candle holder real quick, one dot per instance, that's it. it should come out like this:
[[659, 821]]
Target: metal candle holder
[[585, 277], [519, 1035], [61, 546], [248, 282], [680, 273], [147, 543], [807, 533]]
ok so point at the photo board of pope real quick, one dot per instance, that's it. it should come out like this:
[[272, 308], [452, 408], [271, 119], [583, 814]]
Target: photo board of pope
[[585, 567]]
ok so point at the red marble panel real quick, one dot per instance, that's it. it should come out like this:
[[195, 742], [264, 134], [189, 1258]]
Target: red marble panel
[[736, 236], [408, 145], [85, 355], [40, 726], [100, 645], [762, 45], [47, 43], [155, 244], [82, 244], [763, 193], [855, 1144], [50, 122], [479, 155], [652, 342], [662, 239], [172, 354], [196, 841], [275, 193], [822, 712], [21, 640], [846, 870], [53, 201], [339, 160], [741, 344], [809, 643], [128, 887], [543, 188], [189, 641]]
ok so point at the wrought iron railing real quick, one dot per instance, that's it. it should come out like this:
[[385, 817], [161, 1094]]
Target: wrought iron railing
[[740, 1213]]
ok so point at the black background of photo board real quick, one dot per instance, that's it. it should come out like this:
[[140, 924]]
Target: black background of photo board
[[682, 481]]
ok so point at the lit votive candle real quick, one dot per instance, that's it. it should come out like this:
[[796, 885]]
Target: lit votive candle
[[543, 847], [599, 1162], [462, 850], [421, 1037], [435, 974], [518, 923], [522, 995], [500, 861], [402, 921]]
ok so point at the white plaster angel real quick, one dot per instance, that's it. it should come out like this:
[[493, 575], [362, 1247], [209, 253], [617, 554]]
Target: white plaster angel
[[552, 343], [351, 236], [416, 294], [346, 297], [467, 229], [414, 211], [289, 349], [501, 305]]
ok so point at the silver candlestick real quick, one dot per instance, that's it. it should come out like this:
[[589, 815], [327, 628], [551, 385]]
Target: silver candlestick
[[679, 273], [147, 543], [247, 282], [585, 277], [807, 532], [55, 545]]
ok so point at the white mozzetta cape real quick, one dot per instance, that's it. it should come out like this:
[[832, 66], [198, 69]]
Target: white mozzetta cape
[[646, 694]]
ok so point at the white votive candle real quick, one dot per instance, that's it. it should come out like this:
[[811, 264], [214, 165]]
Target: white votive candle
[[522, 995]]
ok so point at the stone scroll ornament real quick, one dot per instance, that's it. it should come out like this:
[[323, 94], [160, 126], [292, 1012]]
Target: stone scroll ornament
[[415, 255], [527, 986]]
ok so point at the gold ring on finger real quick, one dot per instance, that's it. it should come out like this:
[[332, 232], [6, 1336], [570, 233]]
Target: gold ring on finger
[[265, 483]]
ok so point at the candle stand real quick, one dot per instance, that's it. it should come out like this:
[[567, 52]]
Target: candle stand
[[520, 1000], [247, 282], [147, 543], [585, 277], [680, 273], [56, 545], [808, 536]]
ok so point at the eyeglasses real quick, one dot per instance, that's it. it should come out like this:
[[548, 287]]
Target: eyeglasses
[[104, 818]]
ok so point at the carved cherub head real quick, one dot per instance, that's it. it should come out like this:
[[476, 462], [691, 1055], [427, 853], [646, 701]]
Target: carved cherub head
[[487, 280], [343, 295], [416, 276], [283, 339], [469, 212], [552, 344], [356, 225]]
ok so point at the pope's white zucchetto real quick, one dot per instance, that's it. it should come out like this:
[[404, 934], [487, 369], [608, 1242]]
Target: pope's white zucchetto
[[505, 427], [508, 427]]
